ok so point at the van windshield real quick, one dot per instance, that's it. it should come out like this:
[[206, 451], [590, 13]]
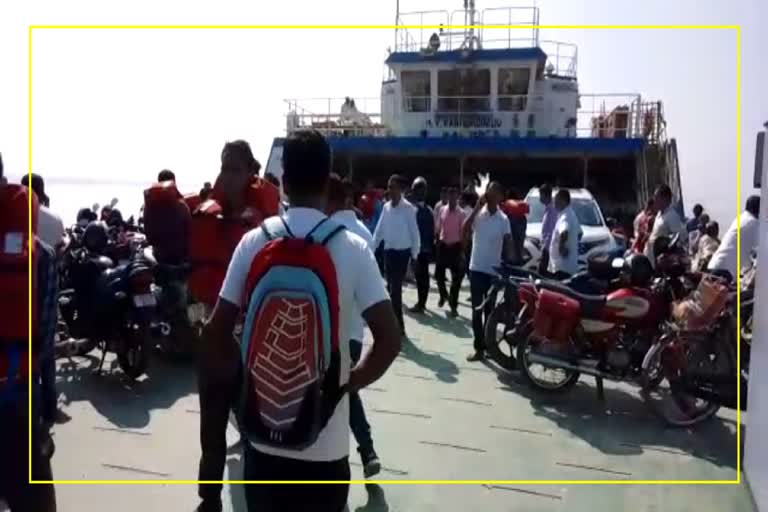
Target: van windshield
[[586, 211]]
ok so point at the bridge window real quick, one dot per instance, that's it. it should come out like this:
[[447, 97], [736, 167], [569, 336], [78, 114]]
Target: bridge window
[[464, 90], [417, 90], [513, 89]]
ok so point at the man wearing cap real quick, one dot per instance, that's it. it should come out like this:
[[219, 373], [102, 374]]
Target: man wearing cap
[[50, 228]]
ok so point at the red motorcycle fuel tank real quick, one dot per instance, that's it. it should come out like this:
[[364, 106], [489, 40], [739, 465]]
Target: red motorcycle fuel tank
[[628, 304], [556, 316]]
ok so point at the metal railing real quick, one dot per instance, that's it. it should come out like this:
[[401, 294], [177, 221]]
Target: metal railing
[[611, 115], [502, 23], [336, 116], [562, 58]]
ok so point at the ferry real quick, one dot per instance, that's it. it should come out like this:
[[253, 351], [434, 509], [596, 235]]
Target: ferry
[[493, 98]]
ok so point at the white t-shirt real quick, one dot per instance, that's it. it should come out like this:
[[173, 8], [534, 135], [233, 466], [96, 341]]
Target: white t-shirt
[[50, 228], [567, 222], [488, 232], [667, 223], [355, 264], [725, 256], [349, 220]]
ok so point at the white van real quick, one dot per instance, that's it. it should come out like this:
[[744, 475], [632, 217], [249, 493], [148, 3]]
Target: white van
[[597, 237]]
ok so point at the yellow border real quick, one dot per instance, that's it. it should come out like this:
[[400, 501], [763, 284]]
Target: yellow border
[[737, 28]]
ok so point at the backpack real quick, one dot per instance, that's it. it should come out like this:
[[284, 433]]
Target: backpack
[[290, 342], [15, 261]]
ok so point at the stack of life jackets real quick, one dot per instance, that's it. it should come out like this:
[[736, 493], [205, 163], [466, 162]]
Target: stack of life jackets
[[214, 237], [18, 206]]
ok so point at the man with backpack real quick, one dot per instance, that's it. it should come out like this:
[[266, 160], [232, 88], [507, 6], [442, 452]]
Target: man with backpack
[[301, 281], [15, 347]]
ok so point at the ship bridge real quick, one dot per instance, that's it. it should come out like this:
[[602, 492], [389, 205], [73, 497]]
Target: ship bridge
[[492, 96]]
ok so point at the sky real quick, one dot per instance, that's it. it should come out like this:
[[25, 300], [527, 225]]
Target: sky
[[118, 106]]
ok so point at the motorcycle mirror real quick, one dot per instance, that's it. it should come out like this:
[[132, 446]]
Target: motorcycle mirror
[[95, 207], [114, 202]]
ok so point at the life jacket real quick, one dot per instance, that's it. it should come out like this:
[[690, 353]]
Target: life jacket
[[290, 344], [213, 238], [165, 214], [17, 256], [193, 201], [515, 209]]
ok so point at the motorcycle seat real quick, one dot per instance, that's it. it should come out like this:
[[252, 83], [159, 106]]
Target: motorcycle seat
[[591, 305]]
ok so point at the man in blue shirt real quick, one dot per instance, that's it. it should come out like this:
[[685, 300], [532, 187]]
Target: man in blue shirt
[[425, 220]]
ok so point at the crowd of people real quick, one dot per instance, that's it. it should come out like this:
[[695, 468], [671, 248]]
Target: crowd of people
[[322, 247]]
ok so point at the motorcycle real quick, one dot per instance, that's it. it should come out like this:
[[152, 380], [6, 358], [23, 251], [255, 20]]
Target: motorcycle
[[695, 362], [504, 324], [110, 307]]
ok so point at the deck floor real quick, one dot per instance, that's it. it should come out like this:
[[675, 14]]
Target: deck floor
[[434, 416]]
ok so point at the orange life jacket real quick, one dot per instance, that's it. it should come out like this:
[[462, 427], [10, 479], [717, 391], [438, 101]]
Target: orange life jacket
[[515, 209], [17, 253], [213, 238], [193, 201], [166, 221]]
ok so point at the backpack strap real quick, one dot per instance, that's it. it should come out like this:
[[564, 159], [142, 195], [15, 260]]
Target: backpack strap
[[276, 227], [324, 231]]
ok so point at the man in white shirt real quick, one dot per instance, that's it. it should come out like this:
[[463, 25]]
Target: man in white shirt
[[341, 210], [724, 261], [50, 228], [306, 163], [398, 230], [667, 223], [564, 243], [491, 239]]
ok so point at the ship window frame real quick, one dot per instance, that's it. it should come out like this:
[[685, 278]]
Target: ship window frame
[[416, 103], [457, 98], [505, 103]]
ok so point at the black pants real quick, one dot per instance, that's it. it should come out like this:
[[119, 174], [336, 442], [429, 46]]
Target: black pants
[[422, 278], [450, 257], [216, 400], [15, 488], [480, 283], [396, 263], [294, 497], [357, 420], [544, 262]]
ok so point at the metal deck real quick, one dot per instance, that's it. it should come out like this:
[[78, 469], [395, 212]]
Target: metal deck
[[434, 416]]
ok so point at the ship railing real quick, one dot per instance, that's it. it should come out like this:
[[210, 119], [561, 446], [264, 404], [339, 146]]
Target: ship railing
[[610, 115], [562, 58], [494, 28], [509, 27], [335, 116]]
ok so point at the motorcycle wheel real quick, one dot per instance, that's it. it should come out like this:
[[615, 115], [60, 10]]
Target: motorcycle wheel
[[502, 335], [534, 374], [133, 356], [670, 403]]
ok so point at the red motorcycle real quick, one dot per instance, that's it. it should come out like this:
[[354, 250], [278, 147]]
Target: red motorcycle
[[606, 336]]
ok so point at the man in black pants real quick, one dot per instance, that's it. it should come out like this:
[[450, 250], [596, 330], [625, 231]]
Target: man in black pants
[[450, 251], [490, 232], [307, 165], [398, 230], [425, 220]]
